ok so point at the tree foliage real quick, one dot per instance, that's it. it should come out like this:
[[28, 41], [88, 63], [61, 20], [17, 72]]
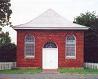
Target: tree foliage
[[85, 19], [5, 12], [4, 38], [7, 49], [89, 19]]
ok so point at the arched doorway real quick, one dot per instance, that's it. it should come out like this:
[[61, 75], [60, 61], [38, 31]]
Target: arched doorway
[[50, 56]]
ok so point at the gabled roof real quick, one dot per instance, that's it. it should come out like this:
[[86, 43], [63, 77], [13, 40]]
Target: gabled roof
[[50, 20]]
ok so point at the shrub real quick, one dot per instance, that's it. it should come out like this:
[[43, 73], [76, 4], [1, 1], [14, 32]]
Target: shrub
[[8, 52]]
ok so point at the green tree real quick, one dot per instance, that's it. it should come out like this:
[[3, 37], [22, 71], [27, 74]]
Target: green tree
[[7, 49], [5, 12], [85, 19], [89, 19], [4, 38]]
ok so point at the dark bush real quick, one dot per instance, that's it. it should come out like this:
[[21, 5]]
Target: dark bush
[[8, 53]]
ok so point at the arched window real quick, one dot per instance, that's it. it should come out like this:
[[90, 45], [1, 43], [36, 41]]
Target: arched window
[[29, 46], [50, 45], [70, 46]]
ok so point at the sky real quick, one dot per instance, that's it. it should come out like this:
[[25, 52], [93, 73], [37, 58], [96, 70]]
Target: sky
[[26, 10]]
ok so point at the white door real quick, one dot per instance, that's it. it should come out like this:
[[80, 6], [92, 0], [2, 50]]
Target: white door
[[50, 58]]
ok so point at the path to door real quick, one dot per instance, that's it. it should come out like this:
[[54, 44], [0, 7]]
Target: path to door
[[47, 76], [50, 71]]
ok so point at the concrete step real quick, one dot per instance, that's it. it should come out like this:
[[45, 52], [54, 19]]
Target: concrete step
[[50, 71]]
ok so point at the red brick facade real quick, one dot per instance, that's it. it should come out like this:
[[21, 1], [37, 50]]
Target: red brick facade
[[43, 36]]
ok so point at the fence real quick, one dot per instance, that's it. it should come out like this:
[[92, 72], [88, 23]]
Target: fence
[[7, 65], [91, 65]]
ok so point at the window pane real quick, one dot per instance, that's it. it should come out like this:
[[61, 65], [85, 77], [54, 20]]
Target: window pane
[[29, 38], [70, 51], [70, 45], [29, 45], [29, 49], [50, 45]]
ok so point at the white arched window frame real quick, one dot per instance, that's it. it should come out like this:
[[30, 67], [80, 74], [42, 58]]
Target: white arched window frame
[[29, 46], [70, 47]]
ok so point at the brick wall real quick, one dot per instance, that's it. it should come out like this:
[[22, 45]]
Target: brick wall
[[43, 36]]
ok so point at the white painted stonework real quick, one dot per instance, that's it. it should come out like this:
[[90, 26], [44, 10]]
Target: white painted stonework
[[50, 58]]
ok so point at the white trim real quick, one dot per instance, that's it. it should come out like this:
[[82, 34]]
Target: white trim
[[70, 57], [29, 43], [29, 57], [53, 28]]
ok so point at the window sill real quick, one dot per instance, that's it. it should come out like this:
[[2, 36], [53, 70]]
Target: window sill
[[70, 57], [29, 57]]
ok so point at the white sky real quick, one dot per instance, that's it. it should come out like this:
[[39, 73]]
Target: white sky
[[26, 10]]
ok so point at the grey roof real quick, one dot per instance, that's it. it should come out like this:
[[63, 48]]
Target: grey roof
[[50, 20]]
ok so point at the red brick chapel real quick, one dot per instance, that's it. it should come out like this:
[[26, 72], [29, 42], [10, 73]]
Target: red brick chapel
[[50, 41]]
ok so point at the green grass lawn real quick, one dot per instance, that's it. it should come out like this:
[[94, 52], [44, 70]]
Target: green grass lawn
[[61, 70], [21, 71], [78, 70]]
